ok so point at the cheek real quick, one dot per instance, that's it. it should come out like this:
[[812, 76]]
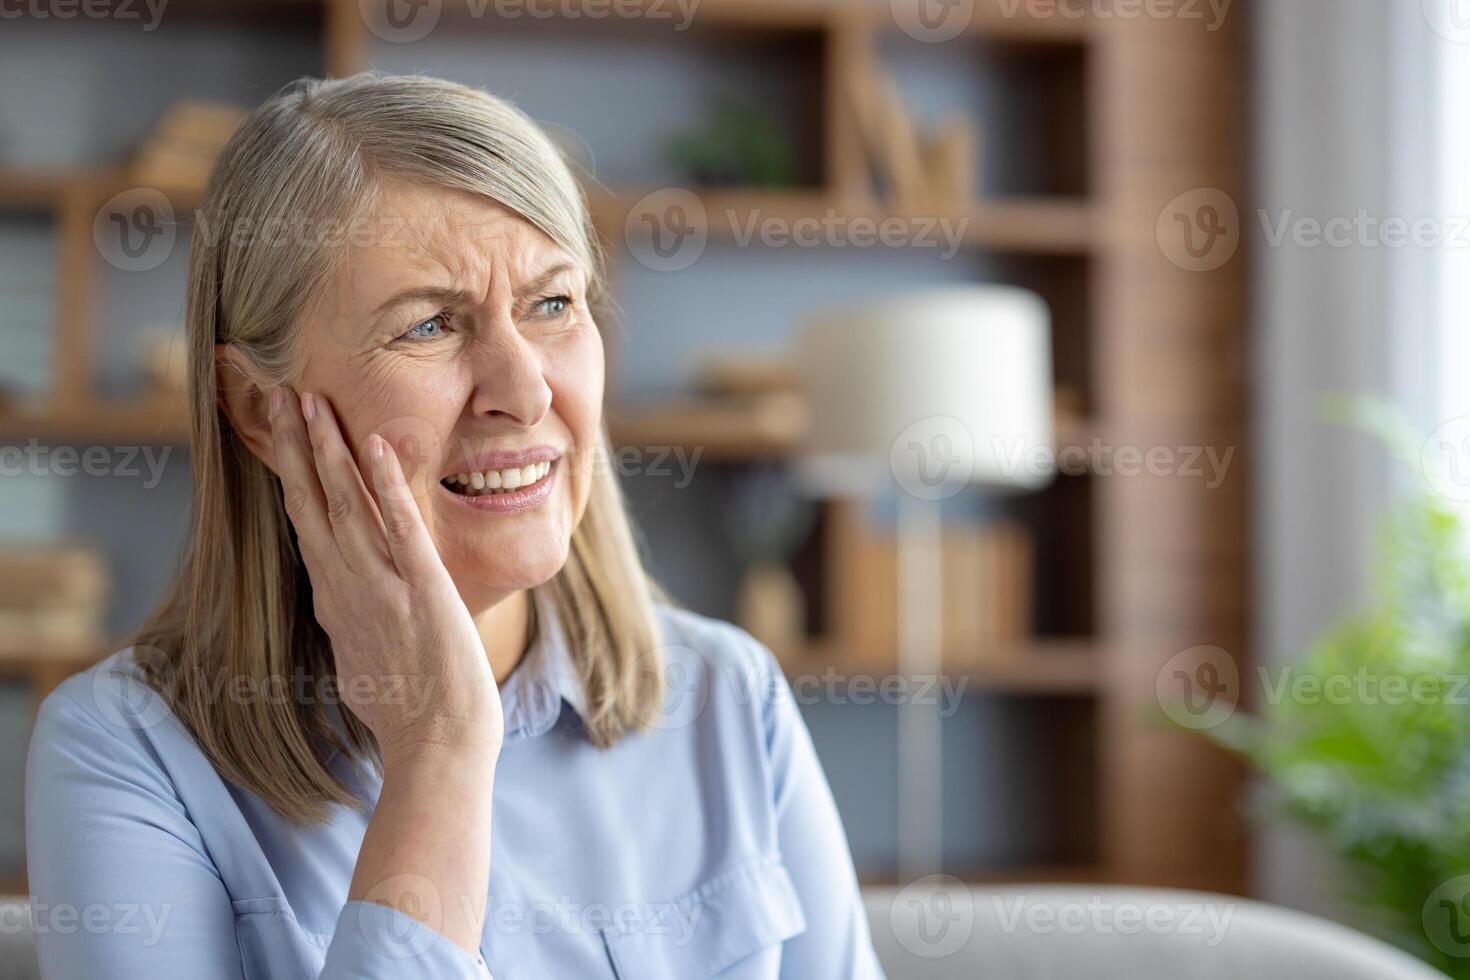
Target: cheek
[[575, 373], [411, 405]]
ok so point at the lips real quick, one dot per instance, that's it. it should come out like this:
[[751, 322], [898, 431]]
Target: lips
[[500, 471], [497, 480]]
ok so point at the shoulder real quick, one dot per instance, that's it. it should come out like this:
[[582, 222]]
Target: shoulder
[[720, 644], [106, 718], [719, 672], [730, 657]]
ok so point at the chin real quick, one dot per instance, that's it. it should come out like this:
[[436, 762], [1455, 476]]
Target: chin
[[489, 569]]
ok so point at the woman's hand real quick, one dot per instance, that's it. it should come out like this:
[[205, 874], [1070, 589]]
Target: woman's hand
[[409, 660]]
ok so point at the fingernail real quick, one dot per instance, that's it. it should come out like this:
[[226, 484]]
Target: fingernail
[[375, 447], [278, 398], [308, 406]]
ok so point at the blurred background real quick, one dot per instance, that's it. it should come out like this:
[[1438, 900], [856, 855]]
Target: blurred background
[[1244, 222]]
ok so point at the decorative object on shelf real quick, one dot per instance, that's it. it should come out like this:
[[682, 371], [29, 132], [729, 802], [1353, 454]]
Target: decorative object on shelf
[[52, 600], [180, 150], [164, 359], [741, 145], [987, 600], [951, 163], [916, 171], [1070, 408], [755, 427], [934, 391], [750, 404], [739, 375], [767, 519]]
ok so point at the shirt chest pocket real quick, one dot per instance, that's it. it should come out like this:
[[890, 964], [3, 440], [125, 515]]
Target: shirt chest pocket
[[731, 926], [273, 946]]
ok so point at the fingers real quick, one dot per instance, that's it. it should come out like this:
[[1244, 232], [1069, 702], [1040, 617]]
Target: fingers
[[408, 538], [305, 504], [349, 508]]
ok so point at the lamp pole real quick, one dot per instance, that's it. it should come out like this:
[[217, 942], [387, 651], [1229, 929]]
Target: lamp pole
[[920, 656]]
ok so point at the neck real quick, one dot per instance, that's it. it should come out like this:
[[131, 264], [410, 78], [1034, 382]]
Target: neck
[[505, 631]]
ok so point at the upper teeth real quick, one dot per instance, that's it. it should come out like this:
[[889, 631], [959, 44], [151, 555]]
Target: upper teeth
[[508, 479]]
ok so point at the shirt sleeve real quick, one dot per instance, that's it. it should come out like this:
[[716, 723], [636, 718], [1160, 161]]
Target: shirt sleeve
[[836, 942], [123, 886]]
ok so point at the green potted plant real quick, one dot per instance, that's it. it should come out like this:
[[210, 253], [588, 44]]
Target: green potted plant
[[1366, 740]]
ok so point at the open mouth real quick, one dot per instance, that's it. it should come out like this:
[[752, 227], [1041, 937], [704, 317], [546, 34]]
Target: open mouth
[[482, 483]]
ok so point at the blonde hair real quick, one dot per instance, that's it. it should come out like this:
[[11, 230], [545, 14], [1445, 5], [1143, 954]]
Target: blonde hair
[[240, 605]]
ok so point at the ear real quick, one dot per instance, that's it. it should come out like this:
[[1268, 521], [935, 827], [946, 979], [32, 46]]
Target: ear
[[245, 401]]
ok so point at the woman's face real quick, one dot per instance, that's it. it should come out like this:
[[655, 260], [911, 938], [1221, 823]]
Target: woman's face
[[460, 333]]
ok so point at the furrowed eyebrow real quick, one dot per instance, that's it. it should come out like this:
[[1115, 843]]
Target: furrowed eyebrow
[[434, 294], [543, 280], [445, 296]]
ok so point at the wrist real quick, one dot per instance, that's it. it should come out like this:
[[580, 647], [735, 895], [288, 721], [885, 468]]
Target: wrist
[[419, 753]]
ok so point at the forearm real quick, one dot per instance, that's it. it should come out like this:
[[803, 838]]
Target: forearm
[[426, 852]]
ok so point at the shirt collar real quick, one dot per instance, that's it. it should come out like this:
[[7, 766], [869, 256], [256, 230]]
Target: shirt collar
[[533, 695]]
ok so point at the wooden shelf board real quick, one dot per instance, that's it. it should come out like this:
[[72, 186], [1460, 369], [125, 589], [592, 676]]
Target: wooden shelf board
[[151, 421], [49, 189], [1057, 667], [1041, 225], [698, 424], [27, 187], [69, 659], [1061, 225]]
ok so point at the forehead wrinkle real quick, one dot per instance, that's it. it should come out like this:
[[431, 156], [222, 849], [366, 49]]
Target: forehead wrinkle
[[479, 250]]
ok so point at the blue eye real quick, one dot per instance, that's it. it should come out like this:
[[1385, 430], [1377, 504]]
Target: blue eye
[[429, 329], [561, 303]]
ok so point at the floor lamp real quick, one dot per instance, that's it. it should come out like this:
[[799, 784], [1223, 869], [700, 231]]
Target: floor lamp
[[931, 392]]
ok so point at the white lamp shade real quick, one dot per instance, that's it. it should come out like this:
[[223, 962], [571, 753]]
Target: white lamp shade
[[949, 386]]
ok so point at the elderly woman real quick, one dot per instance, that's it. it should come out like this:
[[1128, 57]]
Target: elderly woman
[[412, 708]]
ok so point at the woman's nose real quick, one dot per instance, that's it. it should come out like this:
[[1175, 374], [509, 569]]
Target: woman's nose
[[510, 380]]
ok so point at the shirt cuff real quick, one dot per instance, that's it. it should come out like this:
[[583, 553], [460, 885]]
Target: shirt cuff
[[375, 941]]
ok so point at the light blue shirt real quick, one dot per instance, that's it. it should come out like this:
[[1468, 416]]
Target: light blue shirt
[[706, 845]]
